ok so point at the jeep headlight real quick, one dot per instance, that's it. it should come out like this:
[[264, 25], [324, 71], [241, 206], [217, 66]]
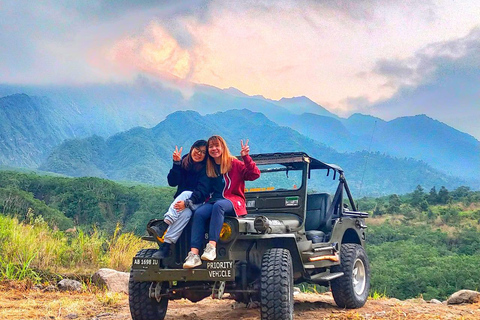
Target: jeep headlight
[[228, 231]]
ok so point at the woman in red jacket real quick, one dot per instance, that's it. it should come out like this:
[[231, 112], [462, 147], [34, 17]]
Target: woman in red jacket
[[227, 184]]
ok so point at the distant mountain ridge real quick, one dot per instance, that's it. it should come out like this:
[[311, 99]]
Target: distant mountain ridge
[[29, 129], [98, 112], [144, 155]]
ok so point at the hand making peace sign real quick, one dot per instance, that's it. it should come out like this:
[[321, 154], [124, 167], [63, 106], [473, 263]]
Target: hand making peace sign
[[177, 154], [245, 148]]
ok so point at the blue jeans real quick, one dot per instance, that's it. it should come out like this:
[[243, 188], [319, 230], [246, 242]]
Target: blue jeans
[[179, 219], [213, 213]]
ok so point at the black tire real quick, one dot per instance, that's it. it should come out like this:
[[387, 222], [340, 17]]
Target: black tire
[[276, 285], [142, 307], [351, 290]]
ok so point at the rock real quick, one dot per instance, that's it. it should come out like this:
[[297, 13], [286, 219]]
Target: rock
[[435, 301], [296, 290], [238, 305], [71, 316], [49, 288], [112, 280], [464, 296], [69, 285], [415, 300]]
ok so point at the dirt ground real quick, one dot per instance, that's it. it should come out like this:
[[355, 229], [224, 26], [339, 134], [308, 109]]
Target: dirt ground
[[22, 303]]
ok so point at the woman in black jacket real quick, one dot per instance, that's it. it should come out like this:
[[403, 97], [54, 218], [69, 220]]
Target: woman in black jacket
[[189, 176]]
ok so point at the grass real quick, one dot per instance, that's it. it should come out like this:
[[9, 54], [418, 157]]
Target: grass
[[25, 249], [375, 295], [311, 288]]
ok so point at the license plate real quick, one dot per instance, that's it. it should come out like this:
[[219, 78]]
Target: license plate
[[219, 270], [145, 262]]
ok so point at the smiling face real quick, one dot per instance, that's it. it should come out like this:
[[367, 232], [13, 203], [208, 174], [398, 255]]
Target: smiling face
[[215, 150], [198, 154]]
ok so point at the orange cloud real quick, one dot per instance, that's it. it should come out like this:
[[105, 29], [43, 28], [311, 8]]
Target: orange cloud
[[156, 52]]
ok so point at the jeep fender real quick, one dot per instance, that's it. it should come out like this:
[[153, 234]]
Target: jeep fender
[[261, 243], [349, 231]]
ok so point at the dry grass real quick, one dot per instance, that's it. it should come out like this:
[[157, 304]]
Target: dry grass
[[16, 303], [122, 247], [25, 248]]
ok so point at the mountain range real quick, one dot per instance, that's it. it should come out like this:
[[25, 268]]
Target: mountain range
[[127, 132]]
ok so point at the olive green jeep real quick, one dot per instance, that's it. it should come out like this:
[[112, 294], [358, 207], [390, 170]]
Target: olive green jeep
[[289, 236]]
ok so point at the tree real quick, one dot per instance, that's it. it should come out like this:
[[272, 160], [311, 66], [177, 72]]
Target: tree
[[418, 196], [379, 208], [394, 203], [432, 197], [443, 196]]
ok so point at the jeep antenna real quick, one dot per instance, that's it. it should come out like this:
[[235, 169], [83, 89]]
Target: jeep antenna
[[366, 157]]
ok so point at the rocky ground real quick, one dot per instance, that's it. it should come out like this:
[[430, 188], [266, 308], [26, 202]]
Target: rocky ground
[[17, 302]]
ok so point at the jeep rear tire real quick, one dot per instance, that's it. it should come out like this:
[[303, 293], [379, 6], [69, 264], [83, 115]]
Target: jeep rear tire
[[276, 285], [351, 290], [142, 307]]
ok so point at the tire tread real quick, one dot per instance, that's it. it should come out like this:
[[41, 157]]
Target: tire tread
[[276, 292], [141, 306]]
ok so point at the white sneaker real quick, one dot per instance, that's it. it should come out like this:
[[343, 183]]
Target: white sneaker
[[192, 261], [210, 253]]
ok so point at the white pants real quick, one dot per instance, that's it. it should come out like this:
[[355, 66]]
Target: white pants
[[179, 219]]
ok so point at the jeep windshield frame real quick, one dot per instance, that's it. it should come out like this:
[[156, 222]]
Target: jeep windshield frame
[[274, 201]]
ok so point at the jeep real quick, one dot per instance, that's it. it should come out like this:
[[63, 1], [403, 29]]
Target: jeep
[[291, 235]]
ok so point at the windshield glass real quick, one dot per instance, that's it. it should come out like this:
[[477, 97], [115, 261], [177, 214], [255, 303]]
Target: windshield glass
[[275, 177]]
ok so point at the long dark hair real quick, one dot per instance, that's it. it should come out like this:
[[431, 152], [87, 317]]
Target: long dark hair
[[187, 161]]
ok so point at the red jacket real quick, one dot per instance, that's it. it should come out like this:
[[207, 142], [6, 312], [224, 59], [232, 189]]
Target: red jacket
[[234, 189]]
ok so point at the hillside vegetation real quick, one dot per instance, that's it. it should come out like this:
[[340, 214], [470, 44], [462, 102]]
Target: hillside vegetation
[[85, 202], [419, 244], [144, 155], [424, 243]]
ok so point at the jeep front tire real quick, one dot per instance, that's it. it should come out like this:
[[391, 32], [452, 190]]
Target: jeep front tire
[[142, 307], [276, 285]]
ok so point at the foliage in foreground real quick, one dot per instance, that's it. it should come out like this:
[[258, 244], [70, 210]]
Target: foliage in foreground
[[409, 261], [26, 249], [86, 202]]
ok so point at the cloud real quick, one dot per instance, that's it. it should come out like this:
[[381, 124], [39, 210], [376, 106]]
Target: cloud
[[441, 80], [336, 52], [424, 64], [57, 41], [154, 52]]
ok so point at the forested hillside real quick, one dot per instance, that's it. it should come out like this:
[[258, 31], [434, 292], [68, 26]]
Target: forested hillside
[[424, 243], [35, 119], [84, 202], [144, 155], [420, 243]]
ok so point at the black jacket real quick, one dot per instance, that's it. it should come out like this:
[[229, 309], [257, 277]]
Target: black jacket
[[184, 180]]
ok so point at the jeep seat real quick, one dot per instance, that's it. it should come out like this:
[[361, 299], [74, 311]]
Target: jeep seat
[[316, 215]]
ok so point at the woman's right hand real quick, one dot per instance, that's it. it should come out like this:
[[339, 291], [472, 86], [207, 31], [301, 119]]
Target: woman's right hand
[[177, 154]]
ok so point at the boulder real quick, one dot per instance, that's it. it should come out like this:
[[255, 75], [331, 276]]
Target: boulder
[[464, 296], [69, 285], [435, 301], [112, 280]]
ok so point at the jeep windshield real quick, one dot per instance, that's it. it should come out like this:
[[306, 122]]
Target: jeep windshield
[[283, 171], [276, 177]]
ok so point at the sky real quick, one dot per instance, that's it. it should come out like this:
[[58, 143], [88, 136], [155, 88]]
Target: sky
[[387, 58]]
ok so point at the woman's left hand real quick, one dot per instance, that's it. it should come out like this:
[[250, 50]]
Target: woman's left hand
[[245, 148], [179, 206]]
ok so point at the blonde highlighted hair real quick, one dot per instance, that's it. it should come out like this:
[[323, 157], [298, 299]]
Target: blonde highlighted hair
[[226, 158]]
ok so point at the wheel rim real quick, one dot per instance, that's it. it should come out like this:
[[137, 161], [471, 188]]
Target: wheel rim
[[359, 278]]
